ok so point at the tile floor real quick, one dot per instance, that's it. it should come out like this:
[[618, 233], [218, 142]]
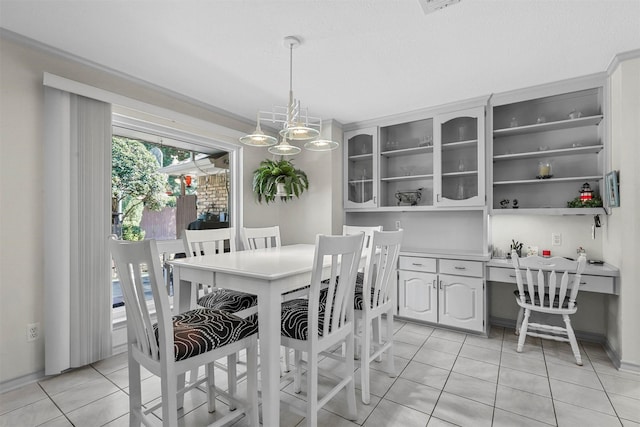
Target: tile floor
[[444, 378]]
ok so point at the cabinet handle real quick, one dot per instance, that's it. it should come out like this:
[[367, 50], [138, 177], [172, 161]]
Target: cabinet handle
[[460, 268], [512, 275], [416, 264], [583, 283], [434, 283], [374, 199], [440, 284], [438, 197]]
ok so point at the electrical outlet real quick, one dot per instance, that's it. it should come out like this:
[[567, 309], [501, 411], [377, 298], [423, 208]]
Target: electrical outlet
[[397, 225], [33, 331], [556, 239]]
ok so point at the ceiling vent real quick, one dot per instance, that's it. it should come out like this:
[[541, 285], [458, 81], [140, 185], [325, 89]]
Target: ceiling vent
[[432, 5]]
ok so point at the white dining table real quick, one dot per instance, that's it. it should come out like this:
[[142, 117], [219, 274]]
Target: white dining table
[[267, 273]]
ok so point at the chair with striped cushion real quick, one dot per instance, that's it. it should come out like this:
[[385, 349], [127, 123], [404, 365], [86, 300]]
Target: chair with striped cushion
[[211, 242], [171, 346], [374, 298], [543, 294], [314, 327]]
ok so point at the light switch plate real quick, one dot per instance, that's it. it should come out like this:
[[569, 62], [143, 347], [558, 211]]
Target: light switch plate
[[556, 239]]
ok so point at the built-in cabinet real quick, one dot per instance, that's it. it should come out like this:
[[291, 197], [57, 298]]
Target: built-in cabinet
[[444, 291], [361, 168], [547, 143], [459, 158], [433, 162]]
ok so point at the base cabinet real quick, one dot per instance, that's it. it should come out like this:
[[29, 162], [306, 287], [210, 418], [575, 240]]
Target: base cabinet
[[461, 302], [438, 297]]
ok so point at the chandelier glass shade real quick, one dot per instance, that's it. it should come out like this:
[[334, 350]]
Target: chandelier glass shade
[[296, 125]]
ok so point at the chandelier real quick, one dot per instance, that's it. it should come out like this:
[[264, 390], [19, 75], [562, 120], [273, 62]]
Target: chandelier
[[295, 122]]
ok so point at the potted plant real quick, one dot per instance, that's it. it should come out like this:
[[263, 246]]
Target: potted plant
[[278, 179]]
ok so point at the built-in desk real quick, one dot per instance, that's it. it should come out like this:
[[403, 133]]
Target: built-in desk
[[596, 278]]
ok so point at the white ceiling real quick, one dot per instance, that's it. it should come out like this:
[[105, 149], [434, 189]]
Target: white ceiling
[[360, 59]]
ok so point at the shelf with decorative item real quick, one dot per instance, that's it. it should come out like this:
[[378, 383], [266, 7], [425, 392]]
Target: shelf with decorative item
[[549, 126]]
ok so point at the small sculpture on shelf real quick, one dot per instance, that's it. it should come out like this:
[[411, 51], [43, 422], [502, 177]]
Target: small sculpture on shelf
[[504, 203], [515, 204], [586, 199], [410, 198]]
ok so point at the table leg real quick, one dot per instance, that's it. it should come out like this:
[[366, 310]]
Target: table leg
[[181, 293], [269, 335]]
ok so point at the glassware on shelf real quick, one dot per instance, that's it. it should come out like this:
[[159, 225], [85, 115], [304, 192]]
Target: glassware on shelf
[[363, 148], [391, 145], [541, 119], [406, 170], [461, 167], [513, 123], [426, 141], [462, 133], [544, 170], [575, 114], [460, 192]]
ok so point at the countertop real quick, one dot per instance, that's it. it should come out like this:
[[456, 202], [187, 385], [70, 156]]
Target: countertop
[[591, 269], [440, 253]]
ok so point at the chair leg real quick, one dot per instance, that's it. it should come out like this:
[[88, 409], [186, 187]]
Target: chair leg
[[391, 370], [572, 339], [169, 387], [180, 385], [297, 357], [365, 349], [350, 388], [232, 378], [135, 392], [312, 388], [211, 386], [377, 334], [523, 330], [252, 383], [519, 320], [357, 326]]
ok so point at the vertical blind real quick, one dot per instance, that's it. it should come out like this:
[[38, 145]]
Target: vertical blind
[[77, 193]]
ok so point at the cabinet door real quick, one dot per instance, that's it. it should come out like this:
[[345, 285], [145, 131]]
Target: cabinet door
[[461, 302], [361, 168], [459, 168], [418, 296]]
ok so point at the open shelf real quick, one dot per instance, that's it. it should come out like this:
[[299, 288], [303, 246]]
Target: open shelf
[[463, 173], [550, 211], [550, 180], [549, 126], [459, 144], [591, 149]]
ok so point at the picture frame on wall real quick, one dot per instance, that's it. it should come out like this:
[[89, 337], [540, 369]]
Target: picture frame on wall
[[612, 188]]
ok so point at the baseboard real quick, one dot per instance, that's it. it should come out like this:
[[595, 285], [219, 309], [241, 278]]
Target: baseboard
[[21, 381]]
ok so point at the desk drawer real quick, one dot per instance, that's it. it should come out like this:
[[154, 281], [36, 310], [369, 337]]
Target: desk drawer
[[461, 268], [417, 264], [599, 284]]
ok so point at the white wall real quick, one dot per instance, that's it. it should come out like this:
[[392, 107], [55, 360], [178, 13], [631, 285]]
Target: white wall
[[622, 242]]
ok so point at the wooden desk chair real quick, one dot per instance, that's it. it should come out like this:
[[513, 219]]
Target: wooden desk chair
[[310, 326], [257, 238], [547, 297], [175, 345], [379, 282]]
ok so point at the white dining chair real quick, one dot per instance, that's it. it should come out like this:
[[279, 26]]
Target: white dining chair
[[258, 238], [314, 327], [212, 242], [169, 346], [544, 294], [168, 249], [375, 298]]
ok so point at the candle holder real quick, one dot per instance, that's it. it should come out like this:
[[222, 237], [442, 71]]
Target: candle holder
[[544, 170]]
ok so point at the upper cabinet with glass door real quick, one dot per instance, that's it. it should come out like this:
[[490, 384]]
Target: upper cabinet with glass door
[[406, 164], [459, 165], [361, 168]]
